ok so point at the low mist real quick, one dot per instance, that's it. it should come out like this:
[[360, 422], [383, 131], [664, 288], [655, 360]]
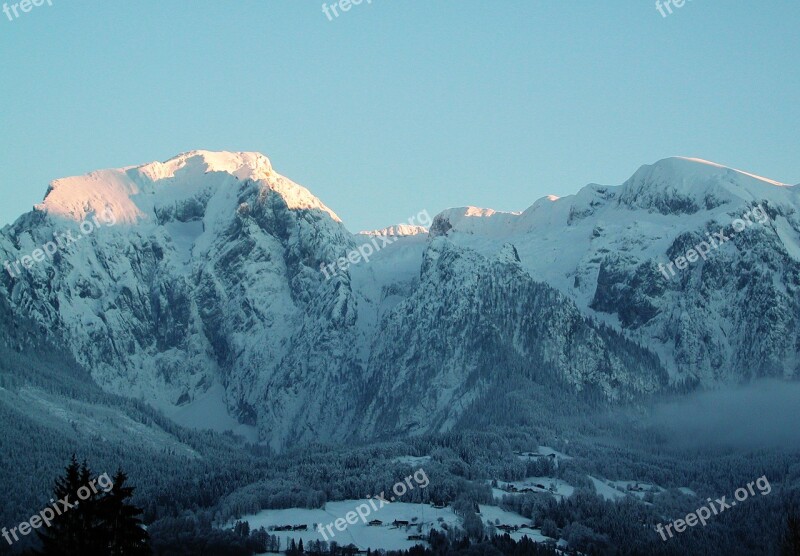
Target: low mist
[[764, 414]]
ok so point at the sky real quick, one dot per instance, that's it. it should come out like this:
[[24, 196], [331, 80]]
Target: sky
[[394, 107]]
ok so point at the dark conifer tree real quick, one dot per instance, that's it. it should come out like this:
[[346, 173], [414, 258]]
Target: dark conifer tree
[[64, 537], [87, 516], [91, 522], [122, 522]]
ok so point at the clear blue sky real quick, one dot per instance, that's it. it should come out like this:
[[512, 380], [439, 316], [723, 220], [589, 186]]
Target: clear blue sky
[[398, 105]]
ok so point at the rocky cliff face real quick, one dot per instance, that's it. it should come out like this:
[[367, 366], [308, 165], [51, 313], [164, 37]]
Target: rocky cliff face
[[202, 270], [624, 255], [202, 275], [474, 323]]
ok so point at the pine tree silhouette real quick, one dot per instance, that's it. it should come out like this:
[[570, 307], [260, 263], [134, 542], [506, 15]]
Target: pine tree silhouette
[[126, 537], [93, 522], [87, 516], [65, 537]]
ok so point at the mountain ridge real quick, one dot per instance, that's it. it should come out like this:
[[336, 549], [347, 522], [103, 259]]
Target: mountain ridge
[[208, 290]]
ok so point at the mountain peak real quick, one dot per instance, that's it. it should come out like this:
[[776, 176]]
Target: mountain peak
[[690, 168], [243, 165], [399, 230], [686, 185], [472, 220], [132, 192]]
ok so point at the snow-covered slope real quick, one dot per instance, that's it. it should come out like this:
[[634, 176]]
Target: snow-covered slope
[[204, 277], [474, 323], [728, 317], [134, 194], [199, 287], [400, 230]]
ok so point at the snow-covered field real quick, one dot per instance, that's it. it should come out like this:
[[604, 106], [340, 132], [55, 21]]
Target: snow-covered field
[[413, 461], [551, 485], [614, 490], [606, 491], [492, 515], [498, 516], [421, 517]]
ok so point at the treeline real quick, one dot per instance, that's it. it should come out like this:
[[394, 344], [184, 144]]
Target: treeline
[[456, 464], [438, 544], [191, 534], [592, 525]]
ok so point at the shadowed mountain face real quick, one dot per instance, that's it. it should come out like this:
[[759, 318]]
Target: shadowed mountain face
[[199, 290]]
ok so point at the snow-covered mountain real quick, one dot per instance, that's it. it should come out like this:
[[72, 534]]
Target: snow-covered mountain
[[199, 289], [727, 316]]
